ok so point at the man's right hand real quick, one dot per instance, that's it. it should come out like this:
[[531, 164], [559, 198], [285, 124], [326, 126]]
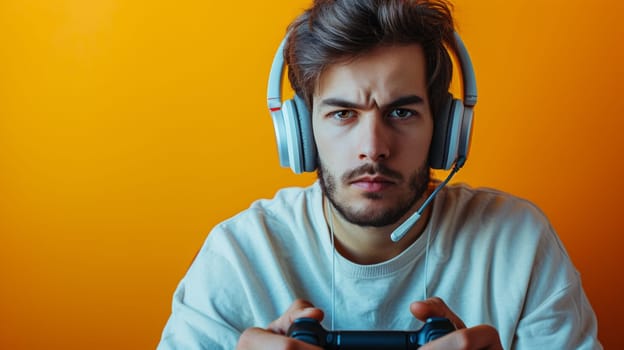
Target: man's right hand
[[274, 336]]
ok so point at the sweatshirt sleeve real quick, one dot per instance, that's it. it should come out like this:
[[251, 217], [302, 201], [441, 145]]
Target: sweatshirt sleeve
[[191, 328], [564, 320], [236, 281], [209, 308], [556, 313]]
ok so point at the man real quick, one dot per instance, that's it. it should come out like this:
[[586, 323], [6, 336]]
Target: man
[[374, 75]]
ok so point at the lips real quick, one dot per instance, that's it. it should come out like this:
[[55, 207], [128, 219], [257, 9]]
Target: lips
[[372, 183]]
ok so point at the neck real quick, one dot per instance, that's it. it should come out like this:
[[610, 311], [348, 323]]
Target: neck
[[371, 245]]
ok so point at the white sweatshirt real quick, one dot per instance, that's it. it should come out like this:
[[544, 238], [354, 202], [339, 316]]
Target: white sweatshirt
[[493, 258]]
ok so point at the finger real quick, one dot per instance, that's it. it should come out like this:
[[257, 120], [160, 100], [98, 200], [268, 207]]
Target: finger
[[261, 339], [298, 309], [479, 337], [435, 307]]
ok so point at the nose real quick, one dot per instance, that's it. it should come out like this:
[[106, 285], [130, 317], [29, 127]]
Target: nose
[[374, 138]]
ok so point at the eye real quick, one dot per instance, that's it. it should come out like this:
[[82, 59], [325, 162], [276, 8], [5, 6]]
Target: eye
[[342, 114], [401, 113]]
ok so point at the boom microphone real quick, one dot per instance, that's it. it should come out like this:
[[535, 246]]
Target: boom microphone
[[402, 230]]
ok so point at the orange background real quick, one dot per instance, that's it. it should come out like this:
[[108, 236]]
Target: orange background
[[128, 128]]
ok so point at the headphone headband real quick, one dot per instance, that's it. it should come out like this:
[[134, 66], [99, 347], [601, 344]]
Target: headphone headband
[[469, 82]]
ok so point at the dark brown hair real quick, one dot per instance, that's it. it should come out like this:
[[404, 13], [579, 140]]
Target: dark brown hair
[[332, 31]]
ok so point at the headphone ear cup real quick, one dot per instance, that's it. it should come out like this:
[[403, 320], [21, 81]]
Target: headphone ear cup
[[292, 137], [299, 138], [446, 134], [280, 136], [308, 146], [437, 151], [466, 135]]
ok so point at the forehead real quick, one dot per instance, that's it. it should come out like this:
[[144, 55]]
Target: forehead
[[378, 75]]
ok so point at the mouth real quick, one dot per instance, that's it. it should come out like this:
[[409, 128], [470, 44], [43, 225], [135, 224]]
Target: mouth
[[372, 183]]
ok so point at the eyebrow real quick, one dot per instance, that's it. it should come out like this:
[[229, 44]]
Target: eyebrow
[[401, 101]]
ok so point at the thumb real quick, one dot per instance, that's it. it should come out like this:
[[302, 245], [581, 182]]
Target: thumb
[[435, 307], [298, 309]]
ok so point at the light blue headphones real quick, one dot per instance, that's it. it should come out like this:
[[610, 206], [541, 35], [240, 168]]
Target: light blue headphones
[[293, 122]]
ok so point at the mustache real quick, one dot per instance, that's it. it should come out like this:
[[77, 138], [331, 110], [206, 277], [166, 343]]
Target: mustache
[[372, 169]]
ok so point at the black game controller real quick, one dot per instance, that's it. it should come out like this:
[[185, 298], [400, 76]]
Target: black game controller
[[310, 331]]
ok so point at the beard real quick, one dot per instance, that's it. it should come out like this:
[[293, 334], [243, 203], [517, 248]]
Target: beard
[[418, 183]]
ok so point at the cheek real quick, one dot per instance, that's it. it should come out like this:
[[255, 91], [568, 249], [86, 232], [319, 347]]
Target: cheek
[[423, 143], [411, 152], [332, 154], [325, 143]]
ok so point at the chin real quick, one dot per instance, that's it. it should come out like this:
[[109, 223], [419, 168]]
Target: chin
[[371, 212]]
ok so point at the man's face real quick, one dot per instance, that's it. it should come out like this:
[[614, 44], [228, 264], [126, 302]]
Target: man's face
[[373, 127]]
